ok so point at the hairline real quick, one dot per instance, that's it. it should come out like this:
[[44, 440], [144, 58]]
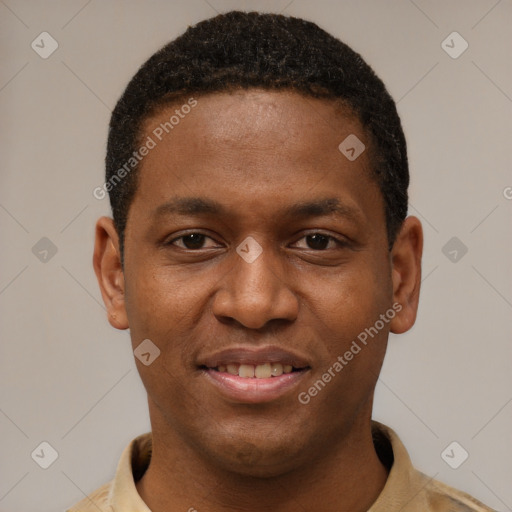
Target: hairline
[[341, 105]]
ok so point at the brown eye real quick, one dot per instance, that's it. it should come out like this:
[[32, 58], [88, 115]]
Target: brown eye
[[193, 241], [317, 241], [190, 241]]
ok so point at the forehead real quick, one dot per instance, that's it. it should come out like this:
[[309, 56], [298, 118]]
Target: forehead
[[255, 144], [270, 126], [250, 115]]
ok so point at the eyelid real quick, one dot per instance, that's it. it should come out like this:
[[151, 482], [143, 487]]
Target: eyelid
[[340, 240], [187, 233]]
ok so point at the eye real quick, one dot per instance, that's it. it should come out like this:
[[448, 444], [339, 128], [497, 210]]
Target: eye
[[320, 242], [193, 241]]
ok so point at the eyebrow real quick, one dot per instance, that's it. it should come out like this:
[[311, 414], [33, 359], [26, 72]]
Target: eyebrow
[[189, 206], [305, 209], [323, 207]]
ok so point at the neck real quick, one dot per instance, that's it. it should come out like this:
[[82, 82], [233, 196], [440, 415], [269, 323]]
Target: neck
[[347, 477]]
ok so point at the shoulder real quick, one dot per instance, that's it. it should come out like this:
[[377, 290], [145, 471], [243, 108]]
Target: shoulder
[[410, 490], [121, 492], [443, 498], [98, 501]]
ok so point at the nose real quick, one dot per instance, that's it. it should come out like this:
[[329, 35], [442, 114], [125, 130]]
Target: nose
[[255, 294]]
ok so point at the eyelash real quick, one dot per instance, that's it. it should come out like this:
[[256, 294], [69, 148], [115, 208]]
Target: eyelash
[[337, 241]]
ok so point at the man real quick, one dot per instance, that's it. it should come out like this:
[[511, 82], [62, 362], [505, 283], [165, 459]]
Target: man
[[260, 255]]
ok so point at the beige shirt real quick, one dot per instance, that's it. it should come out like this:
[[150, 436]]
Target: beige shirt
[[406, 489]]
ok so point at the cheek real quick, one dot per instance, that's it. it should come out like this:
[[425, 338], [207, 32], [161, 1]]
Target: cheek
[[160, 309], [166, 307], [355, 347], [352, 301], [346, 313], [159, 298]]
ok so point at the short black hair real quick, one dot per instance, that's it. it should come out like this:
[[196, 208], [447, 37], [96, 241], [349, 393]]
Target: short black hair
[[242, 50]]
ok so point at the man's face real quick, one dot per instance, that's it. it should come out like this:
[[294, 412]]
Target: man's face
[[264, 165]]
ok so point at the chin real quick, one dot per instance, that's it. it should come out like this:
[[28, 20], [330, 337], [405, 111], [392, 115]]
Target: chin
[[257, 457], [264, 467]]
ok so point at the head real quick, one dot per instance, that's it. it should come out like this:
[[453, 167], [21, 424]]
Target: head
[[237, 51], [243, 228]]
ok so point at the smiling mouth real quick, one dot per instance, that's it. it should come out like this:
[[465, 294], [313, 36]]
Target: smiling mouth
[[259, 371]]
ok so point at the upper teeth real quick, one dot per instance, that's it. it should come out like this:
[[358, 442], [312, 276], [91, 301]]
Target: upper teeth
[[260, 371]]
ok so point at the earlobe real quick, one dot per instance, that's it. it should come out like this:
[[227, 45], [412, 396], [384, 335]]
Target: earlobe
[[406, 273], [109, 272]]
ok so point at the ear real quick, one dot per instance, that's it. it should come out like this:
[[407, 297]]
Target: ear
[[109, 272], [406, 274]]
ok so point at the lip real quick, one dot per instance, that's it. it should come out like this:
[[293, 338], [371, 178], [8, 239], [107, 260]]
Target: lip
[[254, 356], [253, 390]]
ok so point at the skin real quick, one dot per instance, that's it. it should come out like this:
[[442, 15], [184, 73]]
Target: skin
[[256, 153]]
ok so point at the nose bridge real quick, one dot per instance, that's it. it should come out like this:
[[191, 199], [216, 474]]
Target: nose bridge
[[255, 291], [256, 280]]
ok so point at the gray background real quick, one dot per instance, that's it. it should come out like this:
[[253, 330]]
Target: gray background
[[68, 378]]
